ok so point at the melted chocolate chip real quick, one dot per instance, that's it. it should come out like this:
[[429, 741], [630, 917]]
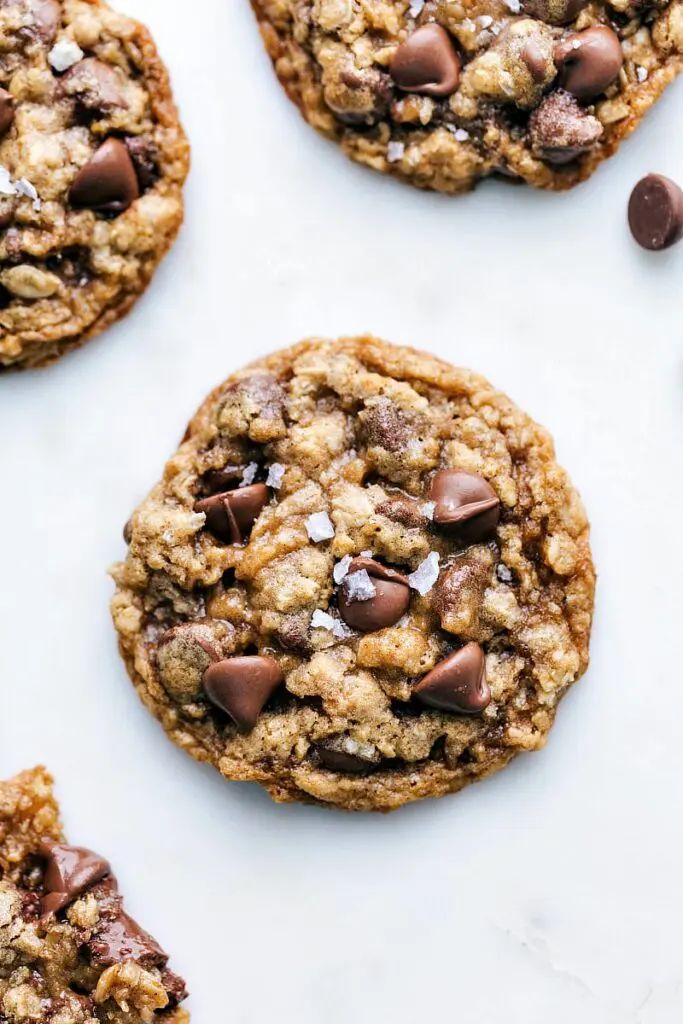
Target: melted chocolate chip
[[589, 61], [465, 502], [340, 761], [458, 683], [242, 686], [655, 212], [390, 603], [427, 63], [69, 871], [230, 515], [107, 183], [121, 938]]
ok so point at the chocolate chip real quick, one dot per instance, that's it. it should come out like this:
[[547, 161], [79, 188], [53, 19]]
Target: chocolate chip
[[555, 12], [175, 986], [339, 761], [241, 687], [390, 603], [427, 63], [560, 130], [69, 871], [95, 85], [217, 480], [655, 212], [145, 156], [121, 938], [465, 502], [588, 61], [230, 515], [6, 110], [458, 683], [107, 183], [535, 59]]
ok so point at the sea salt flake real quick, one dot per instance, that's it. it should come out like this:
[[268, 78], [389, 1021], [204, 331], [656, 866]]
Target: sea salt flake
[[395, 152], [366, 554], [7, 186], [514, 5], [275, 475], [359, 586], [426, 574], [504, 574], [641, 74], [249, 474], [23, 187], [64, 54], [416, 7], [323, 620], [427, 509], [341, 568], [485, 20], [319, 527]]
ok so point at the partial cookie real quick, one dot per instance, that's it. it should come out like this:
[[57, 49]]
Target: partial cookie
[[92, 163], [442, 93], [362, 580], [69, 953]]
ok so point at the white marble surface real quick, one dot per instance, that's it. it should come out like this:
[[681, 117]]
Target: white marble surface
[[551, 893]]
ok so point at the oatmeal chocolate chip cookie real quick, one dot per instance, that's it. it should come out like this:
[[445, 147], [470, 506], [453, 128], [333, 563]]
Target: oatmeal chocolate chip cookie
[[362, 580], [92, 163], [445, 92], [69, 953]]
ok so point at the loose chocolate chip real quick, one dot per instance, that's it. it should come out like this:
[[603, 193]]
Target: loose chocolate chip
[[121, 938], [69, 871], [6, 110], [458, 683], [655, 212], [465, 502], [94, 84], [427, 63], [588, 61], [560, 130], [242, 686], [535, 59], [390, 603], [340, 761], [231, 514], [107, 183]]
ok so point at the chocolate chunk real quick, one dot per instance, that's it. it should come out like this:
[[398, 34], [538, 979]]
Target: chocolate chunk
[[230, 515], [95, 85], [339, 761], [588, 61], [69, 871], [6, 110], [121, 938], [390, 603], [47, 17], [560, 130], [465, 502], [384, 425], [176, 989], [107, 183], [241, 687], [555, 12], [458, 683], [655, 212], [427, 63], [145, 156]]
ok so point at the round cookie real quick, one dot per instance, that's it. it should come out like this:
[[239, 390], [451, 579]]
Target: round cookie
[[92, 163], [363, 579], [443, 93]]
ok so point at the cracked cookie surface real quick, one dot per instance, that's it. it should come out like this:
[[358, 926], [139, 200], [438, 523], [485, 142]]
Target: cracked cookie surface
[[69, 953], [443, 93], [363, 579], [92, 163]]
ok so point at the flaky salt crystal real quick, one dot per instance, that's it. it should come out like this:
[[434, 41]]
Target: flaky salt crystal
[[427, 509], [249, 474], [395, 151], [366, 554], [641, 73], [341, 568], [319, 527], [7, 187], [23, 187], [426, 574], [64, 54], [416, 7], [275, 475], [359, 586], [322, 620]]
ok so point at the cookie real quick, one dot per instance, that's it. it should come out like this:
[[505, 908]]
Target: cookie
[[69, 952], [442, 93], [92, 163], [362, 580]]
